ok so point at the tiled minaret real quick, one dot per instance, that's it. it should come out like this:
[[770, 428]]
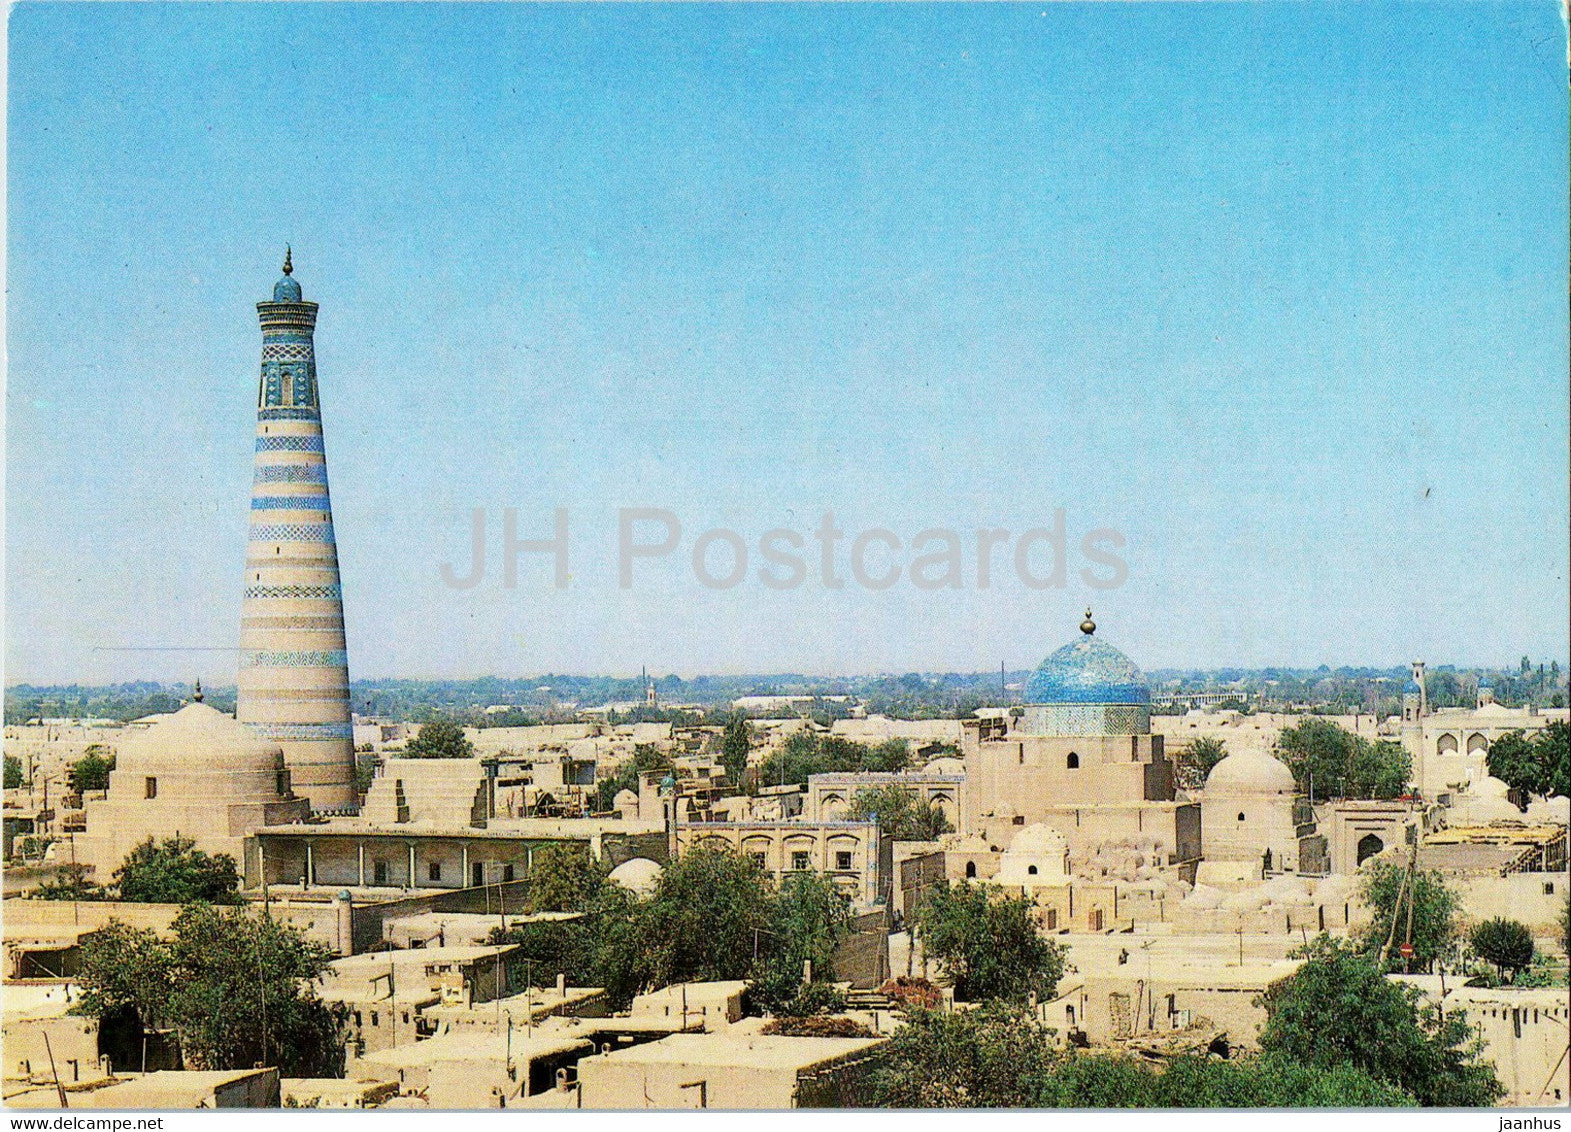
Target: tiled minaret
[[294, 674]]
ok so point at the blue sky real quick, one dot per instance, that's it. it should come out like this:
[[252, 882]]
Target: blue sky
[[1277, 292]]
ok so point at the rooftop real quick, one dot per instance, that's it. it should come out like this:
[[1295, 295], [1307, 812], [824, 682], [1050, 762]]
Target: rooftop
[[750, 1051]]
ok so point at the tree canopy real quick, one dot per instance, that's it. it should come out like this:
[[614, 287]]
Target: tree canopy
[[1339, 1009], [735, 744], [175, 871], [1000, 1056], [13, 773], [440, 737], [1505, 943], [987, 944], [238, 990], [806, 753], [901, 813], [91, 771], [1434, 909], [1537, 765], [1338, 763]]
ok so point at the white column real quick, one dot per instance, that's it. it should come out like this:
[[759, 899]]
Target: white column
[[360, 852], [310, 864], [411, 865], [463, 881]]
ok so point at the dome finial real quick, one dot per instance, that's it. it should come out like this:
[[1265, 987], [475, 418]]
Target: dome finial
[[1088, 626], [196, 693], [289, 267]]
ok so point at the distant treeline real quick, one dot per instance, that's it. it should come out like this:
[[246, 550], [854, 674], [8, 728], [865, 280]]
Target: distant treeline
[[914, 695]]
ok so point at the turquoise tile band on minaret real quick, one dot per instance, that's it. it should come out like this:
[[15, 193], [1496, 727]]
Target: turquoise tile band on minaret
[[294, 671]]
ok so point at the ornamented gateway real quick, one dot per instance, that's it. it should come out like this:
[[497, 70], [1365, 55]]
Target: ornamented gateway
[[294, 672]]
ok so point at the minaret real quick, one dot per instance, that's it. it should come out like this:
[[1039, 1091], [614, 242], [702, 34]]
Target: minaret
[[294, 674]]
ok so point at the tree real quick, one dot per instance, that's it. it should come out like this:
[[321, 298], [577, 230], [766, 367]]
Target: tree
[[807, 919], [236, 988], [1433, 914], [91, 771], [1339, 1009], [1334, 762], [888, 757], [70, 883], [987, 944], [997, 1056], [1099, 1080], [1204, 753], [440, 737], [735, 744], [1505, 943], [13, 773], [562, 878], [900, 812], [704, 919], [177, 872], [1514, 760], [1554, 755]]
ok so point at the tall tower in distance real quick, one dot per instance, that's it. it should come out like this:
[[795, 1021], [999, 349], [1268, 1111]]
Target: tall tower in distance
[[294, 669]]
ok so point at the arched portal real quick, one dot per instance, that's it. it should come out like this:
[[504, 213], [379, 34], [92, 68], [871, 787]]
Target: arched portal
[[1368, 846]]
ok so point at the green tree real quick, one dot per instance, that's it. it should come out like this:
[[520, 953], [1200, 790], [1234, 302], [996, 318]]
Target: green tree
[[563, 878], [1514, 760], [1339, 1009], [1204, 753], [987, 944], [996, 1056], [888, 757], [1434, 909], [901, 813], [1505, 943], [1553, 745], [70, 882], [91, 771], [440, 737], [1336, 763], [1099, 1080], [237, 989], [807, 919], [704, 919], [13, 773], [735, 743], [177, 872]]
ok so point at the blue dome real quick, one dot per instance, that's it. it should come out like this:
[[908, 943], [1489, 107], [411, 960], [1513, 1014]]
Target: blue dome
[[1411, 688], [1087, 672]]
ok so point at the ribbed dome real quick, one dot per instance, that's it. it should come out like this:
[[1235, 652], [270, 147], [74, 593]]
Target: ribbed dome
[[1087, 672], [1250, 773], [197, 738], [286, 290]]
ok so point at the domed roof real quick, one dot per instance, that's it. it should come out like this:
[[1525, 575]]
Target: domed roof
[[1250, 772], [1411, 688], [639, 875], [1087, 672], [1037, 840], [198, 737], [286, 290]]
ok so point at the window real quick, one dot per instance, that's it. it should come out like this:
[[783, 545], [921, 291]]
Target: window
[[761, 860], [1240, 816], [842, 860], [1031, 870], [799, 860], [1549, 888], [970, 869], [1073, 761], [1052, 925], [379, 876], [433, 870], [152, 788], [376, 1019], [507, 873]]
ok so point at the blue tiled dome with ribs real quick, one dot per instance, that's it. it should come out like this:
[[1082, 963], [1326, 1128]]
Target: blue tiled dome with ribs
[[286, 290], [1087, 672]]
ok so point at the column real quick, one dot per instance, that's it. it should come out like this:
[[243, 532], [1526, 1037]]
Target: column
[[360, 852]]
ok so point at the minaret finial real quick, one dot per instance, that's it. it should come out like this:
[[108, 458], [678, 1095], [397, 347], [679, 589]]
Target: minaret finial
[[1088, 626], [196, 693], [289, 267]]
